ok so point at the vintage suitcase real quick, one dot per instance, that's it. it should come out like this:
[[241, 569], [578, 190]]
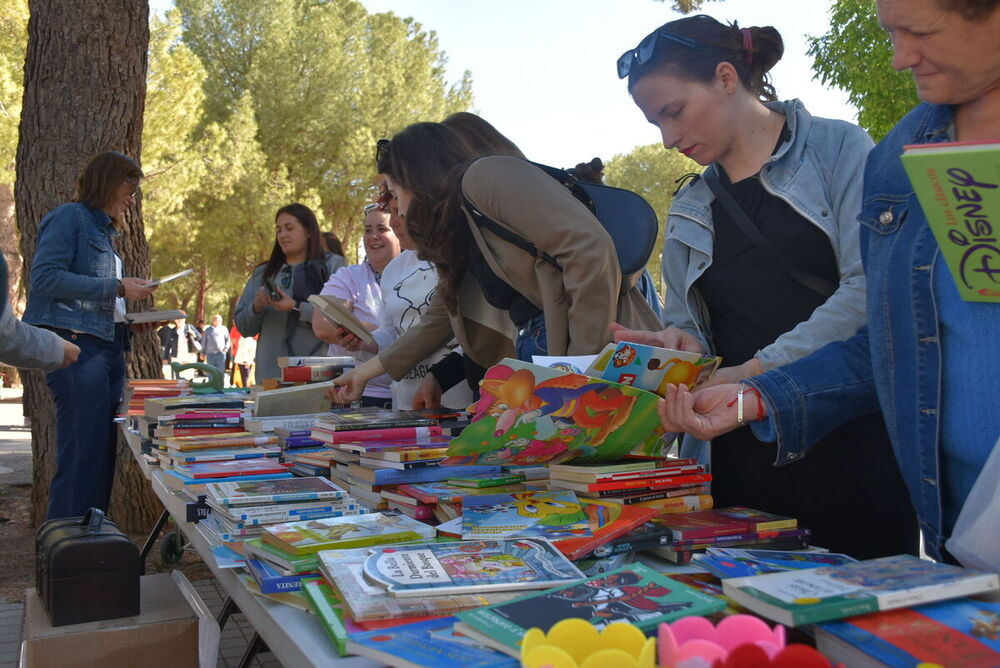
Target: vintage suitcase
[[86, 570]]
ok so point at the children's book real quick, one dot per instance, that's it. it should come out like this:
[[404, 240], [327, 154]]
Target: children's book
[[381, 440], [958, 186], [329, 608], [443, 491], [270, 579], [633, 593], [366, 601], [433, 643], [293, 599], [651, 368], [619, 470], [502, 480], [549, 514], [388, 476], [530, 414], [723, 522], [282, 561], [373, 418], [630, 485], [468, 567], [232, 467], [175, 480], [337, 312], [832, 592], [607, 522], [343, 532], [734, 562], [245, 493], [657, 532], [964, 632]]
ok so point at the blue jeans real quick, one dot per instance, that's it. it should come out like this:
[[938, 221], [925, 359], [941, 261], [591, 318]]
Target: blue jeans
[[218, 360], [531, 339], [86, 395]]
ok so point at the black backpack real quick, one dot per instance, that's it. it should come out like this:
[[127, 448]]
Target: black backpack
[[627, 217]]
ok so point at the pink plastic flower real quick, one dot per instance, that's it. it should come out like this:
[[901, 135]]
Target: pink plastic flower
[[693, 642]]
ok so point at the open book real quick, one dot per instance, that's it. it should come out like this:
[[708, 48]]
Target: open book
[[167, 279], [335, 311], [154, 316]]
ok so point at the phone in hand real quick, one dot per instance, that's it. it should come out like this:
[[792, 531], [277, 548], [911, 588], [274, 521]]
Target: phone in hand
[[271, 288]]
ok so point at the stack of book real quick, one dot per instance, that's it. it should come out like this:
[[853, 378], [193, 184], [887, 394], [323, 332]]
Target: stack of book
[[192, 461], [668, 485], [137, 390]]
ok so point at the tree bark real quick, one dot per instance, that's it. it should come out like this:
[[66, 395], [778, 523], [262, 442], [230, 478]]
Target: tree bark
[[84, 93]]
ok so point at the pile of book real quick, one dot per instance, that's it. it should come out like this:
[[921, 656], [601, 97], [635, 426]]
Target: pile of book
[[668, 485], [137, 390]]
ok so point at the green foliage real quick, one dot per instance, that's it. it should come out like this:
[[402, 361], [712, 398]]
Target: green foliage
[[856, 56], [13, 41], [687, 6], [653, 172]]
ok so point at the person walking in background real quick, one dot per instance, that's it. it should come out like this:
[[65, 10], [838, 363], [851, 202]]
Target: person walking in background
[[169, 342], [216, 344], [243, 360], [78, 290]]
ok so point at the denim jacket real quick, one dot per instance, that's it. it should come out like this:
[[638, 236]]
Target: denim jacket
[[818, 172], [893, 363], [73, 282]]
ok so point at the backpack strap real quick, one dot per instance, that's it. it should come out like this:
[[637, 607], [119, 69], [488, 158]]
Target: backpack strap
[[508, 235]]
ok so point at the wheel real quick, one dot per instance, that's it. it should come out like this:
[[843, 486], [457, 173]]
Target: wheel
[[171, 548]]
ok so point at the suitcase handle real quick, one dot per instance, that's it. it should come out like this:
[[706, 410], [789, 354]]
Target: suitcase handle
[[93, 519]]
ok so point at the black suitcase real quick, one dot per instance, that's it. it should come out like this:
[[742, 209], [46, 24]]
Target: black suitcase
[[86, 569]]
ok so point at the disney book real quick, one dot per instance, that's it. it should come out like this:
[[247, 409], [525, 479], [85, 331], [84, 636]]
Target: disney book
[[633, 593], [469, 567], [529, 414], [549, 514]]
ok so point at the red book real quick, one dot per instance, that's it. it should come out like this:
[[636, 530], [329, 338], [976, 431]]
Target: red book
[[723, 522], [391, 433], [232, 467], [309, 374], [196, 431], [639, 483], [607, 522]]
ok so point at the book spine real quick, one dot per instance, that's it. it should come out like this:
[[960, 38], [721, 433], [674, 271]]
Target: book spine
[[301, 442], [346, 510], [649, 482], [400, 466], [654, 473], [390, 433], [309, 374], [261, 499], [166, 432], [679, 504]]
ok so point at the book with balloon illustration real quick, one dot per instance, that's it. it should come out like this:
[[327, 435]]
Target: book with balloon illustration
[[533, 414]]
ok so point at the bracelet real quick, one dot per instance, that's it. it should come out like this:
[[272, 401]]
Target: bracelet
[[739, 404], [121, 288]]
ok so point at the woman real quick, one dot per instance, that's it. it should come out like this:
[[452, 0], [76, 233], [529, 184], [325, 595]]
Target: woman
[[439, 183], [78, 290], [943, 425], [273, 303], [360, 286], [797, 179]]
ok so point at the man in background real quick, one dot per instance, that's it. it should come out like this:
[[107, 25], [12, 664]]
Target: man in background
[[215, 344]]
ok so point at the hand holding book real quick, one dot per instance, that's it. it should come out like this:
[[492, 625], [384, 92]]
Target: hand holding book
[[708, 412]]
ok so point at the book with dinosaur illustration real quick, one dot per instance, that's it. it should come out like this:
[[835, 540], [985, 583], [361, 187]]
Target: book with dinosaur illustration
[[531, 414], [652, 368], [550, 514]]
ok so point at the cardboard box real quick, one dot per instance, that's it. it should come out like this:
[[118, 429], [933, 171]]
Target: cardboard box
[[165, 633]]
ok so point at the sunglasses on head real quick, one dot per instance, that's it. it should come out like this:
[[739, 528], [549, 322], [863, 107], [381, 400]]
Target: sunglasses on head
[[641, 54], [381, 146]]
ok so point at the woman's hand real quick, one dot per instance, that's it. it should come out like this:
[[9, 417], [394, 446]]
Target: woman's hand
[[709, 412], [734, 374], [286, 303], [71, 352], [261, 300], [137, 288], [428, 394], [349, 387], [671, 337]]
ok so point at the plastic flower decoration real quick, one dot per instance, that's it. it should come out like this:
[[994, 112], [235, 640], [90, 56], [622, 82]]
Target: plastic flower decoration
[[575, 643], [693, 642]]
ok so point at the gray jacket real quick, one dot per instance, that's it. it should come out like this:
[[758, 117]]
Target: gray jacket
[[28, 347], [818, 171]]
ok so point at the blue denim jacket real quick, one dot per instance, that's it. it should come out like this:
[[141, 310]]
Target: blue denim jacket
[[818, 172], [893, 363], [73, 282]]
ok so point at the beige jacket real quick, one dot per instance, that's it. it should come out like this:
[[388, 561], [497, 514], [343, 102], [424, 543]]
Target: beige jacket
[[580, 302]]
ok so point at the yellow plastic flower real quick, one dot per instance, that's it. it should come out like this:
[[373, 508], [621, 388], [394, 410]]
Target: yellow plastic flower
[[575, 643]]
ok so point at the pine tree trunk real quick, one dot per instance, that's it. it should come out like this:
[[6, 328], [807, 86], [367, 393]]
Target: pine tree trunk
[[84, 93]]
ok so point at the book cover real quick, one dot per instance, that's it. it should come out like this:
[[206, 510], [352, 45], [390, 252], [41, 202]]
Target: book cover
[[329, 608], [549, 514], [308, 399], [964, 632], [530, 414], [832, 592], [633, 593], [734, 562], [337, 312], [270, 580], [795, 539], [444, 492], [384, 441], [652, 368], [429, 643], [607, 521], [665, 481], [373, 418], [231, 468], [723, 522], [958, 187], [309, 374], [313, 360], [285, 563], [290, 422], [389, 476], [488, 481], [467, 567], [246, 493], [343, 532]]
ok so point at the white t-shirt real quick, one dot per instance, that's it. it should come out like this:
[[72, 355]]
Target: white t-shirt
[[408, 284], [356, 283]]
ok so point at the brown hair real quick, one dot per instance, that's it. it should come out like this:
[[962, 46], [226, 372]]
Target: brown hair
[[314, 247], [331, 243], [970, 10], [751, 51], [481, 135], [102, 175]]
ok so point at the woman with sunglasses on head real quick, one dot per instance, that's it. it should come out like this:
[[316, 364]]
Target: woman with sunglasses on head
[[489, 283], [762, 267], [926, 358], [274, 301], [78, 290], [360, 285]]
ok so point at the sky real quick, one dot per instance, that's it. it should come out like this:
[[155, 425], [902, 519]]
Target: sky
[[543, 71]]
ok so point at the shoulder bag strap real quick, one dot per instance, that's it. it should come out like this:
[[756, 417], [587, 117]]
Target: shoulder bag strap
[[815, 283], [508, 235]]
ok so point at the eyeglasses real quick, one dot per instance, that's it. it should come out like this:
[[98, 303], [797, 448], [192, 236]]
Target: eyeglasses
[[381, 146], [641, 54]]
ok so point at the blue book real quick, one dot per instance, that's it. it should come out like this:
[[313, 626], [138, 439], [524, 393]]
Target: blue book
[[296, 442], [733, 562], [177, 481], [270, 580], [430, 643], [549, 514]]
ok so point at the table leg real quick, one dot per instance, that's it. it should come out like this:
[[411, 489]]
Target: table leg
[[256, 646], [228, 608], [153, 535]]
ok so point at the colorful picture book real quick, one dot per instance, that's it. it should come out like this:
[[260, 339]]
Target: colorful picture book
[[607, 521], [343, 532], [651, 368], [722, 522], [833, 592], [429, 643], [964, 632], [633, 593], [735, 562], [530, 414], [958, 186], [443, 491], [245, 493], [469, 567], [329, 608], [549, 514]]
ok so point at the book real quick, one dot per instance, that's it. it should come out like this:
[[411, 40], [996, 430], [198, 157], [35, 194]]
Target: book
[[652, 368], [832, 592], [270, 580], [344, 532], [549, 514], [678, 504], [734, 562], [372, 418], [493, 481], [639, 468], [388, 476], [293, 599], [216, 429], [277, 514], [203, 442], [530, 414], [285, 563], [156, 406], [428, 643], [958, 187], [169, 277], [243, 493], [337, 312], [466, 567], [634, 593], [179, 457], [309, 374], [415, 455], [657, 532], [443, 492], [295, 400], [645, 497], [374, 441], [313, 360], [399, 466], [636, 484], [796, 539], [607, 521], [723, 522], [178, 481], [329, 608], [271, 423], [964, 632], [231, 468], [137, 317]]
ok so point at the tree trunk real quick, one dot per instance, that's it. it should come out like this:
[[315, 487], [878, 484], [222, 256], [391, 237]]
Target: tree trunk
[[84, 93]]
